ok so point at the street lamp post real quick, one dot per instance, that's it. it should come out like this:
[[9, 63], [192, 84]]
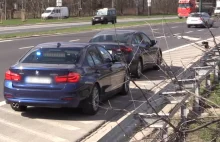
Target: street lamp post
[[200, 5], [5, 9]]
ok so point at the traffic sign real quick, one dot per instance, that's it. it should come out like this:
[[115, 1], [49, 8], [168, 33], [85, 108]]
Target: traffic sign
[[149, 3], [59, 2]]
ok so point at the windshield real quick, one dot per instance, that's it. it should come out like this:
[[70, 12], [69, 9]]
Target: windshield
[[121, 38], [184, 5], [48, 11], [101, 12], [53, 56]]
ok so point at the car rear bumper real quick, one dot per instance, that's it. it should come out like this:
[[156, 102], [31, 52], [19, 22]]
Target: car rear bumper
[[67, 97], [45, 103]]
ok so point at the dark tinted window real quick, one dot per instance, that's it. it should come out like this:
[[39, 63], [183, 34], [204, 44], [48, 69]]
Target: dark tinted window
[[145, 39], [53, 56], [105, 53], [93, 57], [137, 39], [122, 38]]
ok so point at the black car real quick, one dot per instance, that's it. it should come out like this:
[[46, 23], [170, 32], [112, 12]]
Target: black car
[[136, 48], [104, 16], [64, 75]]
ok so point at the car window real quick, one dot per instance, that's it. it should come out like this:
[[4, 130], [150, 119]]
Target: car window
[[93, 57], [146, 39], [90, 60], [121, 38], [53, 56], [137, 39], [105, 54]]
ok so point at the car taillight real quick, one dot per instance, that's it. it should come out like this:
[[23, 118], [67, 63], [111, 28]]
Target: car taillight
[[126, 49], [12, 76], [70, 78]]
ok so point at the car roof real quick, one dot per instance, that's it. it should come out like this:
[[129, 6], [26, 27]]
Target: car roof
[[110, 32], [61, 45]]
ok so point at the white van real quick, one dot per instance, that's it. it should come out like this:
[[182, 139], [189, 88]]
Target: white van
[[55, 12], [217, 11]]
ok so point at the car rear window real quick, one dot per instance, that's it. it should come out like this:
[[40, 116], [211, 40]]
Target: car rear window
[[122, 38], [53, 56], [196, 15]]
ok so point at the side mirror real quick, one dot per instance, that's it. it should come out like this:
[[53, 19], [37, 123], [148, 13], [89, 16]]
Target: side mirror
[[153, 42]]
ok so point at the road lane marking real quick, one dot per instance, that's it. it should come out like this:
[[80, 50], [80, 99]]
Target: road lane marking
[[43, 135], [179, 47], [188, 37], [160, 37], [4, 138], [174, 27], [26, 47], [176, 34], [5, 40], [74, 40], [189, 32], [47, 122], [201, 30], [2, 103]]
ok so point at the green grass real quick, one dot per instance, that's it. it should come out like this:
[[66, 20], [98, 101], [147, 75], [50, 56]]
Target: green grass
[[203, 135], [16, 22], [86, 28], [215, 96]]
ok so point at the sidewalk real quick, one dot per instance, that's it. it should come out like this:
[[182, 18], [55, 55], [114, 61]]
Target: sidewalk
[[179, 59]]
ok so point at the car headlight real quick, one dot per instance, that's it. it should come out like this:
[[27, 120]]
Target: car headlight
[[102, 17]]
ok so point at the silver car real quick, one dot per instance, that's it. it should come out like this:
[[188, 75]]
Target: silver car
[[199, 19]]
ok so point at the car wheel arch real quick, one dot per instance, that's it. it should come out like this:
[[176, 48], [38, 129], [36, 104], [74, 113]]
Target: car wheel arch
[[141, 59]]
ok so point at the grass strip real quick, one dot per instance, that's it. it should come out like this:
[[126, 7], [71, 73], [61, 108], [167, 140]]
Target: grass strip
[[85, 28], [17, 22]]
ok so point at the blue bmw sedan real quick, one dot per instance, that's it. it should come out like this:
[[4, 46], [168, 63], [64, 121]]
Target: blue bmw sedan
[[64, 75]]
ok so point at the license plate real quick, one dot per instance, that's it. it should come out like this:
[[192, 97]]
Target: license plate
[[110, 51], [38, 80], [97, 19]]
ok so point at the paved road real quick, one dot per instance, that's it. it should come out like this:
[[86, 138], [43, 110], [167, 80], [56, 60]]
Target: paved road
[[40, 124], [46, 27]]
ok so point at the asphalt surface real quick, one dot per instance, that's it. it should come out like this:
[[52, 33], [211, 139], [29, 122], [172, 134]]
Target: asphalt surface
[[56, 124], [53, 26]]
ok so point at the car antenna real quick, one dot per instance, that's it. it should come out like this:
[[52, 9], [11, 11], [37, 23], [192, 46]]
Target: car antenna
[[58, 45]]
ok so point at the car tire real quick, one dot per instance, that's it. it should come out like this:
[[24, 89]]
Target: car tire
[[18, 107], [113, 21], [138, 71], [188, 26], [159, 61], [90, 105], [125, 88], [93, 23]]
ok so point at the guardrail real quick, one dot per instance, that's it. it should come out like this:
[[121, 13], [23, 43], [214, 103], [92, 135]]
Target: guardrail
[[184, 90]]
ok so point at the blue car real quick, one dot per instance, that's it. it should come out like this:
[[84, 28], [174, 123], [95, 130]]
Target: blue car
[[65, 75]]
